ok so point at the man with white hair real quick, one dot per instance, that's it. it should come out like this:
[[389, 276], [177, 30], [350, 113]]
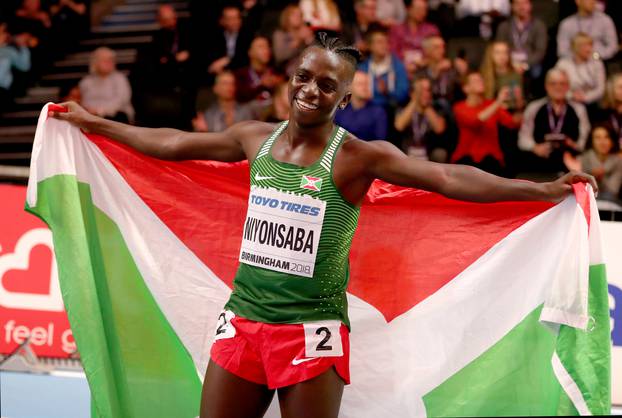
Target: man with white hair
[[106, 92], [552, 126]]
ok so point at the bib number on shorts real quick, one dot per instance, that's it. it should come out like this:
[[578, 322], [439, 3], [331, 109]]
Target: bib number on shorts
[[224, 327], [323, 339]]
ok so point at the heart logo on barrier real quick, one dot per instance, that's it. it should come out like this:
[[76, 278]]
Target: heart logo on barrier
[[20, 260]]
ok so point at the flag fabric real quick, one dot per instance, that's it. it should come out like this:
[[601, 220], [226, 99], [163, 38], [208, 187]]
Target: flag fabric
[[457, 309]]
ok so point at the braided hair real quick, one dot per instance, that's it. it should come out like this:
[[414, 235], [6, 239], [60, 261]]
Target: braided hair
[[333, 44]]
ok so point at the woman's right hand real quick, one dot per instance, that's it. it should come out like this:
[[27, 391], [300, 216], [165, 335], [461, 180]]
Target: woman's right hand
[[75, 114]]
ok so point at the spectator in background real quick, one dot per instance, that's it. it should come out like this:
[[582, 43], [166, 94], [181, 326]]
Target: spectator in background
[[278, 111], [162, 77], [321, 15], [69, 20], [586, 73], [406, 39], [602, 160], [498, 72], [291, 38], [256, 82], [527, 37], [552, 126], [588, 20], [361, 117], [424, 123], [229, 45], [105, 91], [391, 12], [365, 16], [387, 74], [479, 18], [33, 23], [444, 74], [70, 93], [32, 20], [13, 55], [225, 111], [477, 119], [611, 112]]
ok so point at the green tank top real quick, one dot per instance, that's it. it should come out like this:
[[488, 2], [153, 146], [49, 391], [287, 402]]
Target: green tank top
[[296, 241]]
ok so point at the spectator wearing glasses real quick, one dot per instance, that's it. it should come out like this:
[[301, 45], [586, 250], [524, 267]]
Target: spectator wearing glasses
[[553, 126]]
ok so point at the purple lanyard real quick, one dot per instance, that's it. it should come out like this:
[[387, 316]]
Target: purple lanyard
[[616, 127], [556, 127], [420, 127], [589, 28], [520, 37], [255, 79]]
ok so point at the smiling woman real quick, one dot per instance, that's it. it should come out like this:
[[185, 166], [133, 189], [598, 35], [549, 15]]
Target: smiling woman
[[285, 326]]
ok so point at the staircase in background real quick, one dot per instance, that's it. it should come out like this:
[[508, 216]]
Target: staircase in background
[[125, 30]]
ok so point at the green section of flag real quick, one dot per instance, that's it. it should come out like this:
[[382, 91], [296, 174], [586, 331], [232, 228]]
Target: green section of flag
[[586, 355], [513, 377], [149, 374]]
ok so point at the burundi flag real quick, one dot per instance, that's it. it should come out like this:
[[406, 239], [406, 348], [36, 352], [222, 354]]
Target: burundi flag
[[457, 309], [311, 183]]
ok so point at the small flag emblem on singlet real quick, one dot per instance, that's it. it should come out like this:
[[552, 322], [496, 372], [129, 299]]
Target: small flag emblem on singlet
[[311, 183]]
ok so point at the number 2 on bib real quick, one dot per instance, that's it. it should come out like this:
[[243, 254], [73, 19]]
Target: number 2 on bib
[[323, 339]]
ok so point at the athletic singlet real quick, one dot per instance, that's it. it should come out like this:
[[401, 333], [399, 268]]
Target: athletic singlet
[[296, 241]]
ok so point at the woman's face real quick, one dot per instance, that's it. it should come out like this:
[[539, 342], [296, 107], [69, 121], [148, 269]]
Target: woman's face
[[105, 64], [295, 18], [601, 141], [584, 48], [500, 55]]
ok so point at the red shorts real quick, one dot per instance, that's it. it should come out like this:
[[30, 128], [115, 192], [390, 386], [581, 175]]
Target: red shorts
[[280, 355]]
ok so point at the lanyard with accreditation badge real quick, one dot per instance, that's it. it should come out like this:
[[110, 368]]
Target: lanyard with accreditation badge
[[555, 136]]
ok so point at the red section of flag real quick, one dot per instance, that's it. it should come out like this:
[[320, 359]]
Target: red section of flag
[[204, 204]]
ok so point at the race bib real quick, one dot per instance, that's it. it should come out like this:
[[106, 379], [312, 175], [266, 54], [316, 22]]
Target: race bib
[[323, 339], [282, 231], [224, 327]]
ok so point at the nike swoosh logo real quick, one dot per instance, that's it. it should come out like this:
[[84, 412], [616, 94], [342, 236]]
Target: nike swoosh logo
[[297, 361], [260, 178]]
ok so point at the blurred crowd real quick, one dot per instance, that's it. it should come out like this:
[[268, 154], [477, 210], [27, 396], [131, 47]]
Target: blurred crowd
[[486, 83]]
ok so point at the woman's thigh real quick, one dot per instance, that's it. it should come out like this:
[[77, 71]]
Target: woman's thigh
[[226, 395], [317, 397]]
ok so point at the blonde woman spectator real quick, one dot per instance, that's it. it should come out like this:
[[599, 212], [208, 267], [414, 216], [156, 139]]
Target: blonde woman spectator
[[586, 72], [321, 14], [292, 36], [603, 161], [498, 72], [105, 91], [611, 111]]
